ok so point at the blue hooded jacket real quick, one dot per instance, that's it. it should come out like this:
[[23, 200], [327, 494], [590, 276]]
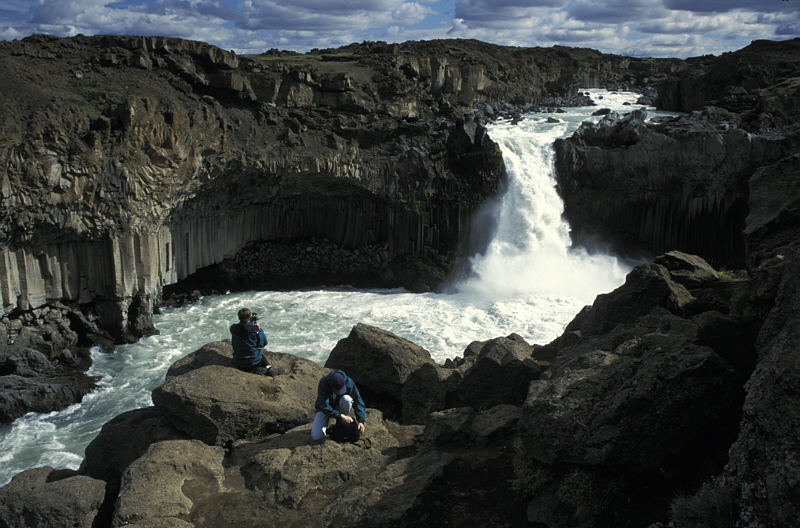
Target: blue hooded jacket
[[247, 341], [327, 399]]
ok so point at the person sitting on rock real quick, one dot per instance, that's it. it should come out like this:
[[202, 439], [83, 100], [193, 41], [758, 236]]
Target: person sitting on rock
[[337, 394], [248, 339]]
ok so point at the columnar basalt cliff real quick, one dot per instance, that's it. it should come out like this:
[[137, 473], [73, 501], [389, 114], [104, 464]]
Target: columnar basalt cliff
[[131, 163], [682, 183], [134, 163]]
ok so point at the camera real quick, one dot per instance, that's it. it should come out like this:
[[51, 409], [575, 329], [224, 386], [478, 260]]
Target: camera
[[254, 318]]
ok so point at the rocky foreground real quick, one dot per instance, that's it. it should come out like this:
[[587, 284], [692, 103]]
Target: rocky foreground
[[670, 400]]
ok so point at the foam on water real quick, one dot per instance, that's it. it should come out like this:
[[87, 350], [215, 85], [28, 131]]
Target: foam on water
[[528, 281]]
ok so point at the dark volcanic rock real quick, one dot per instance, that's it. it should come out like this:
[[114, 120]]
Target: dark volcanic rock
[[41, 498], [142, 161], [759, 82], [633, 405], [20, 395], [185, 470], [124, 439], [648, 188], [762, 470], [501, 373]]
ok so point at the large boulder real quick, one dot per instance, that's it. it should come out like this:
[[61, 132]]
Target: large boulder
[[380, 362], [185, 471], [123, 439], [502, 371], [426, 390], [217, 404], [632, 400], [647, 286], [38, 498]]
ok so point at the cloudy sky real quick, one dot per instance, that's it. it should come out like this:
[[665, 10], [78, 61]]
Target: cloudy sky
[[658, 28]]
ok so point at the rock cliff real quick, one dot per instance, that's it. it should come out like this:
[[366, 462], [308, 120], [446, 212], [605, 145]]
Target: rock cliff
[[130, 163], [682, 183]]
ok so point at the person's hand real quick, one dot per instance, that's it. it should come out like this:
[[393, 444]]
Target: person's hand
[[361, 428], [346, 419], [258, 326]]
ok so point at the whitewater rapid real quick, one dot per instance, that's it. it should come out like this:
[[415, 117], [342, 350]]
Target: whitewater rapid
[[528, 281]]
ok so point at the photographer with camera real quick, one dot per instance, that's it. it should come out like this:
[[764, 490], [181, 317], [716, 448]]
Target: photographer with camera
[[248, 339]]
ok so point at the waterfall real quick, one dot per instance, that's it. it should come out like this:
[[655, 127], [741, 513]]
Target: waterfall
[[528, 281]]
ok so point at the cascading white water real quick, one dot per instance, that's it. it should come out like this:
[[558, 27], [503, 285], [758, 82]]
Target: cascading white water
[[528, 281]]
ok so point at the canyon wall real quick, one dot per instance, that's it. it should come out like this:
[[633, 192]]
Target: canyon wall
[[130, 163], [645, 188]]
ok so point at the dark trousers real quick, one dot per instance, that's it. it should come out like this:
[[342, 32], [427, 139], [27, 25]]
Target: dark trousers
[[251, 368]]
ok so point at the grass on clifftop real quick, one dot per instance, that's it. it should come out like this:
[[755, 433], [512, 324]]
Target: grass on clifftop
[[328, 57]]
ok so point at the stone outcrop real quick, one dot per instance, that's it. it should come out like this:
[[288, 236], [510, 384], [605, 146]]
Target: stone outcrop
[[639, 399], [380, 360], [185, 470], [758, 83], [143, 160], [646, 188], [48, 498], [218, 403]]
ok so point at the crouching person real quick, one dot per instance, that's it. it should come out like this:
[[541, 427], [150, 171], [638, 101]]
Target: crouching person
[[337, 395]]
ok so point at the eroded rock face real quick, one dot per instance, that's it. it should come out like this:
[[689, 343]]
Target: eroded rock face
[[43, 497], [763, 469], [756, 82], [219, 403], [649, 188]]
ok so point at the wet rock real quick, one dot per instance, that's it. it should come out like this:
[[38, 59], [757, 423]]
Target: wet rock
[[219, 404], [20, 395], [40, 498]]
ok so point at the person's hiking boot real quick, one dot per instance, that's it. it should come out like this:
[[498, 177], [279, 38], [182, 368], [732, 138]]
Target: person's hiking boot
[[273, 371]]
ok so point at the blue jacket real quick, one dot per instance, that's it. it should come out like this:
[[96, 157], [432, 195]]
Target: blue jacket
[[247, 341], [327, 400]]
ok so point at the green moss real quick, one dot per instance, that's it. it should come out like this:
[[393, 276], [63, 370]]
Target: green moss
[[530, 476], [726, 274], [576, 488], [258, 434]]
